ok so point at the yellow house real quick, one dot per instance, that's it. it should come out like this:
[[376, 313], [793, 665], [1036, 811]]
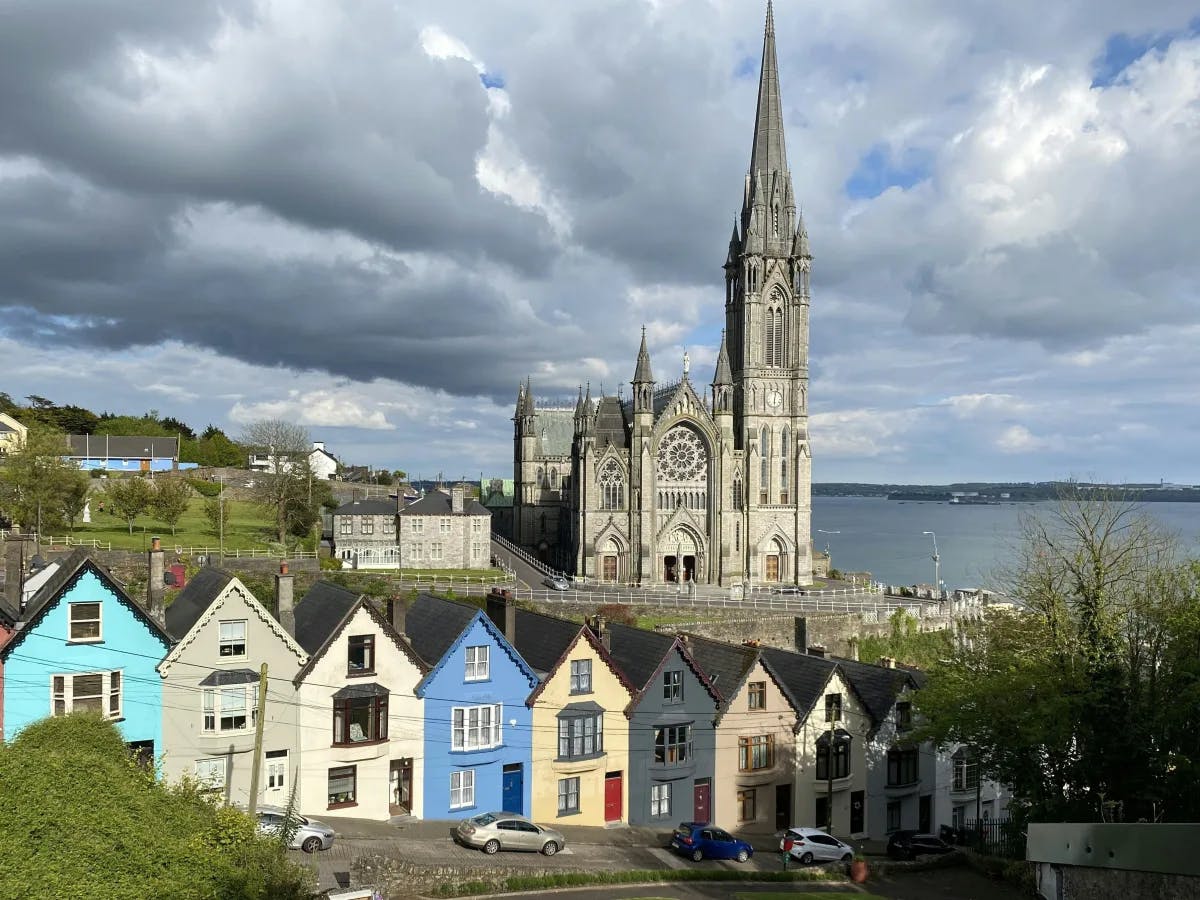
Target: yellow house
[[580, 730], [12, 434]]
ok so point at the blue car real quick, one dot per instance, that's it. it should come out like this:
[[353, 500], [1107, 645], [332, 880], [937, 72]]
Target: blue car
[[700, 840]]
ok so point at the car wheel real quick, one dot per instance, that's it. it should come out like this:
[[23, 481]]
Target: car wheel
[[491, 846], [847, 857], [806, 859], [550, 849], [697, 855], [311, 845], [743, 855]]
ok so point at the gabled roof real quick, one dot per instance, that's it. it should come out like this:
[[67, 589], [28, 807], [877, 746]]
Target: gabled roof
[[367, 508], [802, 677], [322, 616], [877, 686], [95, 446], [559, 428], [584, 634], [196, 597], [726, 665], [541, 640], [438, 503], [642, 654], [612, 423], [70, 570]]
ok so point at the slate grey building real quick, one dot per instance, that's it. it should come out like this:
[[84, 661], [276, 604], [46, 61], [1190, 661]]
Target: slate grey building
[[679, 482], [364, 534]]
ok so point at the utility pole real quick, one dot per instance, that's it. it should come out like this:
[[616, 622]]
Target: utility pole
[[937, 572], [829, 772], [259, 723], [221, 515]]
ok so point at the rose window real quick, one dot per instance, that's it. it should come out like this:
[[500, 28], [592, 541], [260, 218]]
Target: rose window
[[681, 456]]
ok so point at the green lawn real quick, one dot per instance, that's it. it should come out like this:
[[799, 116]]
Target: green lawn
[[654, 621], [433, 574], [246, 528]]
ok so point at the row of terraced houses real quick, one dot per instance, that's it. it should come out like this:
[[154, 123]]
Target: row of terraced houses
[[439, 709]]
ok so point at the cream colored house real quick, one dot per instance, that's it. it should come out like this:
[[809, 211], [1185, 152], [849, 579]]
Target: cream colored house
[[361, 725], [12, 434]]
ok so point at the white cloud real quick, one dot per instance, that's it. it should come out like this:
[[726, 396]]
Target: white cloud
[[334, 409]]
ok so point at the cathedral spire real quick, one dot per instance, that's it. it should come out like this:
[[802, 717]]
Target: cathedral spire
[[769, 154], [723, 374], [642, 374]]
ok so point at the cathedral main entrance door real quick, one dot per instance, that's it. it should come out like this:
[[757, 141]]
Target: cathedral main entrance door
[[772, 567], [610, 568], [671, 569], [689, 568]]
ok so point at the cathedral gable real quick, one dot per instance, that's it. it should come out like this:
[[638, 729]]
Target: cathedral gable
[[682, 404]]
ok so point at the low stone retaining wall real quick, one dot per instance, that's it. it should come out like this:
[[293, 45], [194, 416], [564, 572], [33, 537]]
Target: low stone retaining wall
[[396, 878]]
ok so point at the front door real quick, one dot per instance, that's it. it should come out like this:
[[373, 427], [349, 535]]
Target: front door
[[821, 815], [277, 777], [689, 568], [610, 568], [783, 806], [858, 808], [513, 798], [670, 568], [772, 567], [613, 791], [925, 813], [400, 779], [702, 801]]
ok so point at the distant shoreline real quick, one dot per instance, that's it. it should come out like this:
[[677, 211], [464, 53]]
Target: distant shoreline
[[989, 494]]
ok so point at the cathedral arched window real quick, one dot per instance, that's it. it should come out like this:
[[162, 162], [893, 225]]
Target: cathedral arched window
[[612, 486], [541, 477], [775, 220], [769, 337], [554, 479], [764, 451], [737, 536], [783, 466], [737, 491]]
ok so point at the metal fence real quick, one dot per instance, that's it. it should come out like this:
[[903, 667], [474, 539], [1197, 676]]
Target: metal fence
[[995, 837]]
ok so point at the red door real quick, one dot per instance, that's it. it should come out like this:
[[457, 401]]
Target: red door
[[612, 797], [702, 807]]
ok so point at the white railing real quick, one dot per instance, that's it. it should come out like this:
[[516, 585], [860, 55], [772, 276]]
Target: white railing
[[508, 546], [255, 553], [69, 541]]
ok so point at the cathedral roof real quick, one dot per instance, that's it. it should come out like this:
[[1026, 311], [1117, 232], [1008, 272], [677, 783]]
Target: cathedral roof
[[612, 419], [723, 374], [769, 154], [642, 373], [556, 428]]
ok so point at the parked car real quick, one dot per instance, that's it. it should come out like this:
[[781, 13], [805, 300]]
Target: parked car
[[556, 583], [700, 840], [494, 831], [811, 845], [911, 844], [309, 836]]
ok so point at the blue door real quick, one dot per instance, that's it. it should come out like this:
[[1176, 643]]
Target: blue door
[[514, 788]]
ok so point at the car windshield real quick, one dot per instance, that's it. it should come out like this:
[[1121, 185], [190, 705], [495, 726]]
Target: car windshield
[[485, 819]]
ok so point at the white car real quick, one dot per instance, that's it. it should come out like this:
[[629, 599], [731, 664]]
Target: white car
[[809, 845]]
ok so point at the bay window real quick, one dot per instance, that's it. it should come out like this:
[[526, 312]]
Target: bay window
[[476, 727]]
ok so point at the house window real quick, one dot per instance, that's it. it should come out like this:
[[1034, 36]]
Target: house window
[[477, 526], [345, 525], [966, 772], [758, 694], [389, 525], [841, 756], [833, 707], [367, 524], [231, 708], [357, 720], [893, 816], [475, 727], [757, 752], [673, 686], [660, 800], [581, 676], [343, 785], [477, 664], [580, 736], [84, 621], [903, 767], [568, 796], [233, 638], [435, 550], [360, 656], [904, 716], [672, 744], [418, 526], [477, 551], [746, 806], [444, 526], [212, 774], [418, 551], [462, 788], [98, 692]]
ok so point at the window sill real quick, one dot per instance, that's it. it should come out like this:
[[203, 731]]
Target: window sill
[[465, 751], [347, 805], [85, 641], [477, 680], [582, 693], [351, 744], [362, 674], [567, 813], [581, 757]]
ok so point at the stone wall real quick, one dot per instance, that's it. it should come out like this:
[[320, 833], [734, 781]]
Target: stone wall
[[396, 878]]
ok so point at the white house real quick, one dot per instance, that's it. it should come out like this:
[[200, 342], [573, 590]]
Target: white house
[[323, 463]]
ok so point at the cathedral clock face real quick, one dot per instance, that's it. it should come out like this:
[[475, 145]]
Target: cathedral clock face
[[681, 456], [774, 399]]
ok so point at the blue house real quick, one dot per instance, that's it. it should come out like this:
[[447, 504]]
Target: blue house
[[478, 730], [84, 644]]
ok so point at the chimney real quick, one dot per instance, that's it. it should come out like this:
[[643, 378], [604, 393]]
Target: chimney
[[852, 653], [456, 498], [318, 445], [502, 611], [397, 613], [888, 662], [285, 603], [686, 640], [817, 650], [155, 591], [599, 626], [14, 567]]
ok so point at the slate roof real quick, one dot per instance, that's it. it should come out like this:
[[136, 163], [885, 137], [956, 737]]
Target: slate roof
[[726, 665], [194, 600], [802, 677], [8, 615], [876, 686], [438, 503], [319, 614], [367, 508], [542, 640], [433, 625], [559, 425], [100, 446], [637, 652], [612, 424]]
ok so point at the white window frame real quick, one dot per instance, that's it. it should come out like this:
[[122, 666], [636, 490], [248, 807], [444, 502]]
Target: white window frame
[[209, 777], [366, 525], [389, 525], [478, 663], [444, 526], [345, 525], [418, 525], [477, 526], [99, 620], [111, 696], [277, 770], [581, 676], [568, 790], [231, 641], [476, 550], [476, 727], [660, 799], [214, 708], [462, 789], [435, 550], [418, 551]]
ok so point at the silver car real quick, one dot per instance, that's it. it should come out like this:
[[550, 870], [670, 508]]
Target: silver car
[[556, 583], [309, 836], [507, 831]]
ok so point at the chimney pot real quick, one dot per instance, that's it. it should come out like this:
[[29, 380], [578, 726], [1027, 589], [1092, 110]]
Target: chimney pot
[[283, 568], [155, 544], [888, 662]]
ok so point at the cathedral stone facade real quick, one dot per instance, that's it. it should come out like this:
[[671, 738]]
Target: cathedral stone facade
[[674, 484]]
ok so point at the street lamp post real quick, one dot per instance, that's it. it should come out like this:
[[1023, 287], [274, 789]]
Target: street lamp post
[[937, 571]]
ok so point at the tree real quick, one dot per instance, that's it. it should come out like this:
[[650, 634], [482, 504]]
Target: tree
[[175, 426], [1070, 698], [287, 489], [129, 498], [138, 426], [76, 486], [90, 821], [170, 500], [214, 514], [35, 479]]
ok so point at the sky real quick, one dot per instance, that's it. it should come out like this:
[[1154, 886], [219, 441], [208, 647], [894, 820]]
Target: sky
[[377, 218]]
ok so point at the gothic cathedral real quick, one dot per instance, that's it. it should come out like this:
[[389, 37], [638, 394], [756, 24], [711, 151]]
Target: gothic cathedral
[[665, 486]]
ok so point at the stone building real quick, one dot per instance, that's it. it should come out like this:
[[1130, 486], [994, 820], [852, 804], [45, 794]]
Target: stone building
[[680, 483], [364, 534], [445, 531]]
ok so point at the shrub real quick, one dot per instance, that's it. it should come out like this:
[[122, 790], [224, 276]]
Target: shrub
[[204, 488], [615, 612]]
